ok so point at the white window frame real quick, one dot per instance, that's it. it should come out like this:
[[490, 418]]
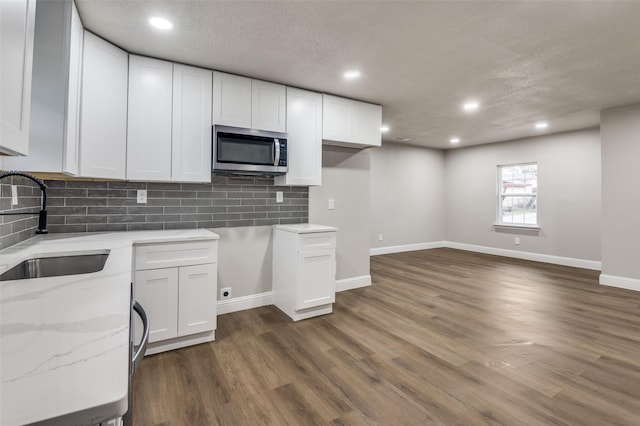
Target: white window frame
[[499, 189]]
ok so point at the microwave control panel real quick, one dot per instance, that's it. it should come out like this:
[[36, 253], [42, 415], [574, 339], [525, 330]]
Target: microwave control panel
[[283, 153]]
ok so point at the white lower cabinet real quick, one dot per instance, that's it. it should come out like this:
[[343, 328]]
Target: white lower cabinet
[[177, 283], [304, 269], [316, 268], [197, 299], [157, 291]]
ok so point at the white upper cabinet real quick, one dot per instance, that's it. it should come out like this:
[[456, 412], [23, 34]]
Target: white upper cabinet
[[231, 100], [252, 104], [103, 128], [17, 22], [149, 123], [351, 123], [268, 106], [304, 146], [169, 129], [55, 91], [71, 158], [191, 134]]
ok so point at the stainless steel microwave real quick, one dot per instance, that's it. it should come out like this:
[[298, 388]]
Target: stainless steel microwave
[[248, 152]]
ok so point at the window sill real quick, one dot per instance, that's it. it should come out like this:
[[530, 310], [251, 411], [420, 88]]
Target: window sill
[[528, 229]]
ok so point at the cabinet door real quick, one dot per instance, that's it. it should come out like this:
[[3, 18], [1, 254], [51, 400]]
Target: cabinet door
[[268, 106], [304, 146], [197, 299], [191, 135], [368, 120], [17, 19], [103, 129], [157, 291], [70, 159], [231, 100], [316, 278], [351, 123], [149, 119], [335, 118]]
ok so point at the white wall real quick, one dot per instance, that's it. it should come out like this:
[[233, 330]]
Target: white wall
[[345, 179], [407, 195], [620, 128], [569, 200]]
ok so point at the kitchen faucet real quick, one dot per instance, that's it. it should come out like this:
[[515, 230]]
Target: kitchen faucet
[[42, 214]]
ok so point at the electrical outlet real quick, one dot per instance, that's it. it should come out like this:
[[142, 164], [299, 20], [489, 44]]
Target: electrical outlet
[[517, 241], [142, 196], [14, 195], [279, 197], [379, 237], [225, 293]]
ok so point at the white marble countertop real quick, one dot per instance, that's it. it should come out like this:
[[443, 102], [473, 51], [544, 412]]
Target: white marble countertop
[[64, 341], [305, 228]]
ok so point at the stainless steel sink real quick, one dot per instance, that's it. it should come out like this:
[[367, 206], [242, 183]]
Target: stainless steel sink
[[56, 266]]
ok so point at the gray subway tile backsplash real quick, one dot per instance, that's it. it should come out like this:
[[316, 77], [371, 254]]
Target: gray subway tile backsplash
[[85, 206], [19, 227], [101, 206]]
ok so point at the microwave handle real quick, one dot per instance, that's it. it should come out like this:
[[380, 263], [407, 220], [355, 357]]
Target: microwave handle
[[276, 156]]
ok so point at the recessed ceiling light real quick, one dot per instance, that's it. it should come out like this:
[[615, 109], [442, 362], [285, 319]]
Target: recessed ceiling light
[[542, 125], [401, 139], [160, 23], [471, 105], [384, 128], [350, 75], [454, 140]]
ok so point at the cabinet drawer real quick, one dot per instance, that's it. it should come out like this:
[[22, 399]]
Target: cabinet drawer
[[153, 256], [317, 240]]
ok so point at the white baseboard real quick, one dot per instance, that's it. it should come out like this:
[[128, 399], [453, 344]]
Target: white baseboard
[[407, 247], [537, 257], [265, 299], [354, 282], [620, 282], [245, 302]]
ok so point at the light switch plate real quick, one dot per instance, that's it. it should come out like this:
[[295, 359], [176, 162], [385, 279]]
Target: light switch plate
[[332, 204], [142, 196], [279, 197]]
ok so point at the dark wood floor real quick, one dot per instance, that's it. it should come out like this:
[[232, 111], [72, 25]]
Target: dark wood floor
[[443, 337]]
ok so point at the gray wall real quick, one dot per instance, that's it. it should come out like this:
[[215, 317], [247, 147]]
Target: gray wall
[[620, 129], [244, 259], [17, 228], [407, 195], [86, 206], [569, 201], [346, 180]]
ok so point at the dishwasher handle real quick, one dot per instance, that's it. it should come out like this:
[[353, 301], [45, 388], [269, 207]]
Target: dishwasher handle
[[137, 356]]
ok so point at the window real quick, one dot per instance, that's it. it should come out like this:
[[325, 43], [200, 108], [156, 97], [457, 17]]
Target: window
[[518, 193]]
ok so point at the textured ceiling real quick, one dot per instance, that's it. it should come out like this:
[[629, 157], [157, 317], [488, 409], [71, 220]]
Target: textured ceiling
[[561, 61]]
